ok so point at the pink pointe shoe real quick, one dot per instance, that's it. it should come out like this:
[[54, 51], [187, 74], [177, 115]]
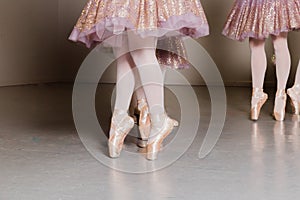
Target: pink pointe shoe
[[144, 123], [121, 124], [258, 99], [280, 104], [294, 94], [154, 144]]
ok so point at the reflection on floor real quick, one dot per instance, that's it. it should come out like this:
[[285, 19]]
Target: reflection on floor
[[42, 156]]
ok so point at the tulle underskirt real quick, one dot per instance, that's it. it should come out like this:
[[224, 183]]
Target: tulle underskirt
[[100, 20]]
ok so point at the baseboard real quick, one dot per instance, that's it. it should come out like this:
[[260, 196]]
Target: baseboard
[[226, 84]]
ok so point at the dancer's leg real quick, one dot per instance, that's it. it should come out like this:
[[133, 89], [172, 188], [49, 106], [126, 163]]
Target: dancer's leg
[[121, 123], [294, 92], [283, 65], [258, 68], [139, 99], [139, 92], [297, 80], [258, 62], [283, 60], [143, 53], [125, 77]]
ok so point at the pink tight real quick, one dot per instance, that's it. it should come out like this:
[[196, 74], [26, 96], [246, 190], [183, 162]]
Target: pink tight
[[259, 62]]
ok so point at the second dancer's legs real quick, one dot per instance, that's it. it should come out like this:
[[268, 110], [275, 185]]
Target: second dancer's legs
[[258, 66]]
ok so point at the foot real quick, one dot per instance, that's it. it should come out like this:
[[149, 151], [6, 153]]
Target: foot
[[279, 106], [294, 94], [144, 123], [159, 134], [257, 101], [121, 124]]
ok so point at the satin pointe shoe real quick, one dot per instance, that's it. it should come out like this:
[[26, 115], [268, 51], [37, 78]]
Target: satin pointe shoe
[[294, 94], [144, 123], [121, 124], [154, 143], [258, 99], [279, 106]]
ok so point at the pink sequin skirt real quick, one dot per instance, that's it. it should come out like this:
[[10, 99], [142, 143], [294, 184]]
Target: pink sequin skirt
[[171, 52], [261, 18], [101, 19]]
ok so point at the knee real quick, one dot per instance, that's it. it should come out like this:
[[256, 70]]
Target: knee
[[280, 44], [125, 58]]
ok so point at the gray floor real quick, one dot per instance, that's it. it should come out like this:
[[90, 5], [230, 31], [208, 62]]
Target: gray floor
[[42, 156]]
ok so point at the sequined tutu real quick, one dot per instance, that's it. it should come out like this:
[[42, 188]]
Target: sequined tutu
[[261, 18], [101, 19], [171, 52]]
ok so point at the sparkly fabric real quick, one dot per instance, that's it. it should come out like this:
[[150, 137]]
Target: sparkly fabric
[[101, 19], [261, 18], [171, 52]]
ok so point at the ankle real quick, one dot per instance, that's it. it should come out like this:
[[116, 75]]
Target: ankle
[[142, 103], [296, 87], [156, 109], [257, 92], [280, 92], [119, 114], [257, 89], [280, 100], [157, 120]]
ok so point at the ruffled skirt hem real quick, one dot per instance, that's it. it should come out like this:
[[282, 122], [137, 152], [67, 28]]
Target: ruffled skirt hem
[[187, 24]]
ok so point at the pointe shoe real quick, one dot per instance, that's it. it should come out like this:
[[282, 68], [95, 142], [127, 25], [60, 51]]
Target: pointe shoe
[[280, 103], [144, 123], [294, 94], [142, 142], [154, 144], [257, 101], [121, 124]]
